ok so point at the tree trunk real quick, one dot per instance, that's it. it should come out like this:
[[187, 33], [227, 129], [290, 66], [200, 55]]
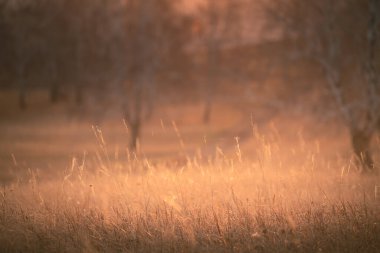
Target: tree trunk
[[211, 82], [54, 88], [151, 95], [361, 141], [54, 97], [78, 94], [22, 99], [207, 109], [22, 86], [373, 90], [132, 111], [135, 134], [54, 93]]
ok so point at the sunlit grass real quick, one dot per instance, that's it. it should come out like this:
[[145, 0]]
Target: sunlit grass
[[281, 200]]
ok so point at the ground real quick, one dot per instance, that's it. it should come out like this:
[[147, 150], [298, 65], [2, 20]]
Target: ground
[[47, 137]]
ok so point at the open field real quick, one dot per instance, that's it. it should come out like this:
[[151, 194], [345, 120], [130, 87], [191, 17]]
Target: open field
[[225, 206], [194, 126], [287, 184]]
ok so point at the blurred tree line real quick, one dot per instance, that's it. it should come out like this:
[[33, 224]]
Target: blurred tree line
[[98, 48], [91, 49], [77, 45]]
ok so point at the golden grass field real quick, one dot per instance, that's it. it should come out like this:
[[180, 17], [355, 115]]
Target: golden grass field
[[288, 184]]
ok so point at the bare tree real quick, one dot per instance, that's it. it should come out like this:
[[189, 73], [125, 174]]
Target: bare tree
[[97, 40], [20, 18], [221, 23], [51, 11], [5, 44], [212, 19], [150, 34], [341, 38], [36, 44], [78, 16]]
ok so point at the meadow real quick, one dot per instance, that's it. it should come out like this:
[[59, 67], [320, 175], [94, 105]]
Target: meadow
[[283, 186]]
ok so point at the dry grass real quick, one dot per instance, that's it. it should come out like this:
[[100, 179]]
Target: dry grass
[[221, 203], [277, 189]]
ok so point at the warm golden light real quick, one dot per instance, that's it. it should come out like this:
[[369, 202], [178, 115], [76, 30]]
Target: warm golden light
[[189, 126]]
